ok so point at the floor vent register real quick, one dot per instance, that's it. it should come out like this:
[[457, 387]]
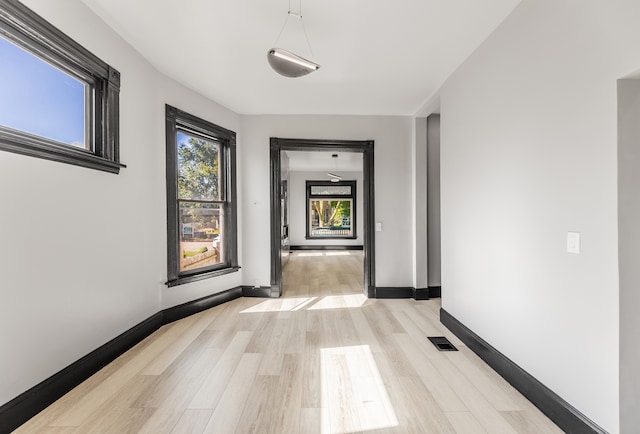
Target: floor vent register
[[442, 343]]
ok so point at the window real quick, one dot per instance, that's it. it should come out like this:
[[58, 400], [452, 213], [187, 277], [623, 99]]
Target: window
[[331, 209], [201, 198], [57, 100]]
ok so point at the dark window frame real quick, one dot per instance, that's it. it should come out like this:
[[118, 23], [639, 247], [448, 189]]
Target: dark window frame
[[352, 196], [178, 120], [25, 28]]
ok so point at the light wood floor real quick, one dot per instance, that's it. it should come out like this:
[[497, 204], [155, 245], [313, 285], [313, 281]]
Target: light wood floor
[[322, 359]]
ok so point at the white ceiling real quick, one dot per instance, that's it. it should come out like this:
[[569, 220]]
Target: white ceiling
[[377, 57], [320, 161]]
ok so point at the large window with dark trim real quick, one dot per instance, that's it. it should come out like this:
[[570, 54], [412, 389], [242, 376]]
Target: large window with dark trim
[[331, 209], [201, 198], [57, 100]]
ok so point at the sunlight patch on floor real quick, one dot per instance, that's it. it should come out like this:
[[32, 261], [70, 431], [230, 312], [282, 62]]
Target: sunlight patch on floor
[[337, 254], [311, 303], [302, 255], [354, 398], [339, 301], [280, 305]]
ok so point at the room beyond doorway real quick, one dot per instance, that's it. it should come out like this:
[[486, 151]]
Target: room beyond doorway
[[277, 146], [322, 273]]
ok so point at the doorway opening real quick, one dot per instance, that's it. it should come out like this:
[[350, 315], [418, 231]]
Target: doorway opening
[[280, 228]]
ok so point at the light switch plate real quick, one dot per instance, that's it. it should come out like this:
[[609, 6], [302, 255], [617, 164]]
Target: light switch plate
[[573, 242], [378, 226]]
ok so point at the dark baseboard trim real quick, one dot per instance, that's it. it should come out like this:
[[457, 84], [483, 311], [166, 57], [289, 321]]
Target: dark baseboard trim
[[275, 291], [192, 307], [405, 292], [435, 291], [371, 292], [260, 291], [563, 414], [342, 247], [421, 293], [394, 292], [26, 405]]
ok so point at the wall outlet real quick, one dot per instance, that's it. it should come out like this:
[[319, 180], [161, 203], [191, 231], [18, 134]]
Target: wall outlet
[[573, 242]]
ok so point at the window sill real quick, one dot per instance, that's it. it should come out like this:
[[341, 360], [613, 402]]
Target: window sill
[[330, 238], [34, 146], [181, 280]]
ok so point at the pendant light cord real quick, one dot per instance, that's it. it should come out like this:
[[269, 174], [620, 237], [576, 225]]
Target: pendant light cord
[[299, 15]]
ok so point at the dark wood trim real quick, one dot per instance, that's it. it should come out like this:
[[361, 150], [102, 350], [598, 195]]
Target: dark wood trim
[[421, 293], [324, 247], [371, 291], [435, 291], [276, 291], [394, 292], [563, 414], [365, 147], [22, 408], [276, 235], [403, 292], [252, 291], [192, 307], [369, 218]]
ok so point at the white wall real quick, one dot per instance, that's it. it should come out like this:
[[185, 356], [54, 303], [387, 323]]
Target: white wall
[[433, 198], [298, 211], [629, 250], [82, 252], [529, 153], [393, 192], [421, 253]]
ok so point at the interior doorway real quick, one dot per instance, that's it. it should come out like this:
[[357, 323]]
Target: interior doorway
[[280, 230]]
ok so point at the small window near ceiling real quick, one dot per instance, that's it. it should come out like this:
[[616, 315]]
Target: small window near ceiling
[[201, 197], [331, 210], [57, 100]]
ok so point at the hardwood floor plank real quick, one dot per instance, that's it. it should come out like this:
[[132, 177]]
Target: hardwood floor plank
[[214, 385], [310, 421], [490, 389], [257, 413], [287, 397], [228, 410], [482, 410], [464, 423], [530, 422], [172, 404], [173, 375], [442, 392], [193, 420], [71, 399], [95, 398], [116, 414], [312, 376], [176, 348], [365, 334]]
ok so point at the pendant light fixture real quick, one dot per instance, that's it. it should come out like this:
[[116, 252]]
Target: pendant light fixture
[[333, 176], [285, 62]]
